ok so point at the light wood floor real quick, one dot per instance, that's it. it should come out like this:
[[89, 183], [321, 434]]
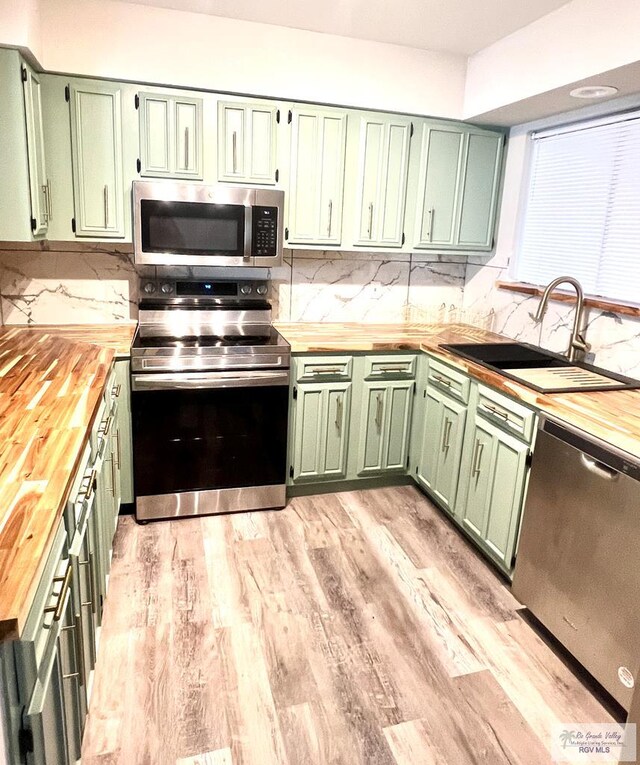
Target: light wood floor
[[349, 628]]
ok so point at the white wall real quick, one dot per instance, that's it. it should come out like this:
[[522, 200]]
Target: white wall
[[20, 24], [579, 40], [137, 42]]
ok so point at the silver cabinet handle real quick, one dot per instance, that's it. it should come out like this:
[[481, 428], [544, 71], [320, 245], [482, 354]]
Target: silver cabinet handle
[[117, 454], [379, 411], [113, 476], [45, 194], [92, 582], [105, 193], [59, 606], [446, 433], [477, 457], [339, 414], [370, 220], [327, 371], [398, 368], [497, 412], [430, 223], [49, 202], [234, 151], [330, 217], [442, 380], [186, 148]]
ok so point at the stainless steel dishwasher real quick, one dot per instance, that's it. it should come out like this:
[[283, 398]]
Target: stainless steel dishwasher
[[578, 563]]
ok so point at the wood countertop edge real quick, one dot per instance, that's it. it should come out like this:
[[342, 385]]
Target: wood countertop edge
[[11, 627]]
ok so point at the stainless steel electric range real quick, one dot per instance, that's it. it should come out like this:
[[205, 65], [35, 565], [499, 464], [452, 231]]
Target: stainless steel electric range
[[210, 382]]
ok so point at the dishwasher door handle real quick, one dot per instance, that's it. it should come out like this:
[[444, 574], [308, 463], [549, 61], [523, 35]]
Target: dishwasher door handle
[[599, 468]]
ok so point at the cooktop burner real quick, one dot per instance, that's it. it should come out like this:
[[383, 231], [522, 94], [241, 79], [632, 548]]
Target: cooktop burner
[[192, 332], [272, 338]]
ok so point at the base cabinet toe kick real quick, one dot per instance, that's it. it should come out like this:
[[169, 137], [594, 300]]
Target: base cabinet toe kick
[[46, 674]]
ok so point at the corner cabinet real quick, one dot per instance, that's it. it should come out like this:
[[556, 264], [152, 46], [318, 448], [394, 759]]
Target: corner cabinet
[[247, 143], [383, 166], [170, 136], [458, 190], [316, 176], [96, 153]]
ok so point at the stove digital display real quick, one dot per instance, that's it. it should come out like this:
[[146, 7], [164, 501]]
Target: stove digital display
[[200, 289]]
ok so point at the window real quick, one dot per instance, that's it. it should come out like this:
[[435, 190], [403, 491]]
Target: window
[[582, 215]]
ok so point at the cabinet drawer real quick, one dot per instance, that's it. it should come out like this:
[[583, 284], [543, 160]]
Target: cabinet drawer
[[509, 415], [389, 367], [450, 380], [319, 368]]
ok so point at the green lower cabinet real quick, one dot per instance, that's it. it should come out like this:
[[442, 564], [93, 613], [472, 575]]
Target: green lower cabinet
[[494, 474], [440, 454], [321, 431], [384, 427]]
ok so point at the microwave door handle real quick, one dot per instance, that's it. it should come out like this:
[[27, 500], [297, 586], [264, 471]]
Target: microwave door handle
[[248, 234]]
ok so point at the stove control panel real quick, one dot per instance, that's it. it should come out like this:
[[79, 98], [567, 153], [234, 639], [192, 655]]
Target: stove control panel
[[222, 290]]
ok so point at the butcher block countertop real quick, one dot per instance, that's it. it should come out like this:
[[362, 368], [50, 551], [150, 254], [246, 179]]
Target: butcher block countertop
[[613, 416], [116, 336], [50, 388]]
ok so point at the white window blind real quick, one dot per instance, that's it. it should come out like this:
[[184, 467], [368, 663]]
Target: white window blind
[[582, 213]]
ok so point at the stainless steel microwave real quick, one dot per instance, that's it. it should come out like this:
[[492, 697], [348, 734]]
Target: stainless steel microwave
[[195, 225]]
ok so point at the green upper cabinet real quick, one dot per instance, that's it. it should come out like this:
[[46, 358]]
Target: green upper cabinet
[[170, 136], [316, 191], [383, 164], [247, 142], [384, 427], [494, 470], [39, 186], [480, 189], [96, 148], [458, 187], [321, 431], [440, 160]]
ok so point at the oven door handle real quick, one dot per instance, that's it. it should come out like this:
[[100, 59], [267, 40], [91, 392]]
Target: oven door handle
[[191, 381]]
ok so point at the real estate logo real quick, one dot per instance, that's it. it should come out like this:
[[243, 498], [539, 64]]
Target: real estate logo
[[593, 742]]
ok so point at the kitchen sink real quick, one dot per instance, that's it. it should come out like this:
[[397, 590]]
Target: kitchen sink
[[539, 369]]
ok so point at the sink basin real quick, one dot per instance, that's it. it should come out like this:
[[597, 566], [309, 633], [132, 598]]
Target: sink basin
[[540, 370], [508, 355]]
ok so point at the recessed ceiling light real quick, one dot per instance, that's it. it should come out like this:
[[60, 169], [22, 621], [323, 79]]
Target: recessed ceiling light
[[593, 91]]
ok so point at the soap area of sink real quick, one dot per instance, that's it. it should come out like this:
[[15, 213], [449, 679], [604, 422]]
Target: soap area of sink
[[540, 369]]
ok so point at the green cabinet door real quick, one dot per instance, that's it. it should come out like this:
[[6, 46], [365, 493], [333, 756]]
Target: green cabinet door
[[497, 470], [247, 142], [45, 716], [382, 180], [39, 186], [96, 146], [321, 431], [441, 453], [315, 198], [440, 161], [124, 447], [73, 677], [384, 427], [479, 189], [170, 136]]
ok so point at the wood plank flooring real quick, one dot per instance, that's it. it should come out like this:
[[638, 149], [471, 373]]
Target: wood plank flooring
[[348, 628]]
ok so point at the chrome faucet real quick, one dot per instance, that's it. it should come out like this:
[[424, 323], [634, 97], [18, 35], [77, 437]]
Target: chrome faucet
[[578, 346]]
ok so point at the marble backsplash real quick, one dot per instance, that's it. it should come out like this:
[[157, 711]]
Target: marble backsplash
[[73, 284], [63, 283]]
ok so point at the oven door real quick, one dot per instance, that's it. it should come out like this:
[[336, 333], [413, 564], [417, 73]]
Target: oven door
[[209, 442], [188, 224]]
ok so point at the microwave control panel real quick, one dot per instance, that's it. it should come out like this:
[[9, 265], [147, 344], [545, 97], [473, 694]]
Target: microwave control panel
[[265, 231]]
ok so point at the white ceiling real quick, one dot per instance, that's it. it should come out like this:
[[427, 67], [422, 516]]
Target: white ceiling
[[457, 26]]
